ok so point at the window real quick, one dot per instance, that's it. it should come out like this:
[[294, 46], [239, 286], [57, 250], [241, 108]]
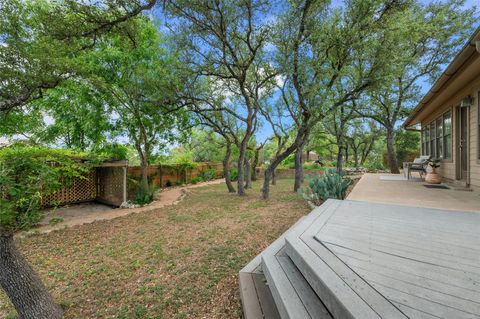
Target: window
[[447, 135], [433, 140], [437, 137], [427, 141]]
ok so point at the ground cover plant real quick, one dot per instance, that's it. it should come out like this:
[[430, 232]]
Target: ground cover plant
[[178, 262]]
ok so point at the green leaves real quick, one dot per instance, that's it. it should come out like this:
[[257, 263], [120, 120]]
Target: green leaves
[[27, 174], [329, 185]]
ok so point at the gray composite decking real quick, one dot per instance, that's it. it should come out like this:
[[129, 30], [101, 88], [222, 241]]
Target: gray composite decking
[[351, 259]]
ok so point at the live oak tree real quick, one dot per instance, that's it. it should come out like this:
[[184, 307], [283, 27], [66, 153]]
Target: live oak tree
[[142, 77], [337, 123], [224, 41], [360, 138], [27, 174], [41, 41], [320, 48], [428, 36]]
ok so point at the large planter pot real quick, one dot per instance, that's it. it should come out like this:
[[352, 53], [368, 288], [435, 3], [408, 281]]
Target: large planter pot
[[433, 177]]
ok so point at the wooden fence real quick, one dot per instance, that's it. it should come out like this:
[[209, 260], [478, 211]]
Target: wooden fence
[[168, 175]]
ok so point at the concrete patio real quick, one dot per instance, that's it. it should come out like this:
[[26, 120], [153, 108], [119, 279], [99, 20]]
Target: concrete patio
[[372, 188]]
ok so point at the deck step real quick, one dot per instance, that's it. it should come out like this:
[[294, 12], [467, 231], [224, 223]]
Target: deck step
[[345, 294], [293, 296], [256, 297]]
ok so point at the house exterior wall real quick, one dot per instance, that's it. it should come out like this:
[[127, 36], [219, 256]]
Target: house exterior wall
[[448, 166]]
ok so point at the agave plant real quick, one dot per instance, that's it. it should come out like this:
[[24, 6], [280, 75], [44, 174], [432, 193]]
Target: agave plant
[[329, 185]]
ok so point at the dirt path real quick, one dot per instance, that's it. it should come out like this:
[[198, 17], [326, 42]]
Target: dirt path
[[85, 214]]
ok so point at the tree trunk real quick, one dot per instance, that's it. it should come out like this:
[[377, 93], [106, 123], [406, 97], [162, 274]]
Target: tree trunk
[[144, 170], [355, 157], [256, 157], [23, 286], [241, 172], [340, 159], [226, 169], [298, 169], [345, 149], [392, 157], [274, 176], [248, 173]]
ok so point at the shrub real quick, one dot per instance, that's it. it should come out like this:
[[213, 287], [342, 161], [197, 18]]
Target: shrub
[[329, 185], [312, 166], [208, 174], [196, 179], [233, 174], [27, 174], [373, 166], [144, 197]]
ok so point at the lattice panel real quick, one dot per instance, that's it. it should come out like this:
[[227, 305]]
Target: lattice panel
[[110, 185], [81, 190]]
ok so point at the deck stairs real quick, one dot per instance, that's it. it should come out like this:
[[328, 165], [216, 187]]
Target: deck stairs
[[302, 275]]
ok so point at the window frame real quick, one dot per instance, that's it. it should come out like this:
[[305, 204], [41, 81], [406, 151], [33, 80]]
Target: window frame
[[430, 141], [444, 136]]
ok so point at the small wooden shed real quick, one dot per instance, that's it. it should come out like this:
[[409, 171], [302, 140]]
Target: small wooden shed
[[106, 183]]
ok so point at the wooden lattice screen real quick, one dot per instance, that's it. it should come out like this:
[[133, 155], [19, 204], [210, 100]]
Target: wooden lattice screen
[[111, 185], [82, 189]]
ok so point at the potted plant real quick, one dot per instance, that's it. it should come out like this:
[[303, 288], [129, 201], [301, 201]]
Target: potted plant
[[433, 177]]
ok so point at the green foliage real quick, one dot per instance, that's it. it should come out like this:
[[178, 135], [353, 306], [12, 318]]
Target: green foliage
[[289, 162], [113, 152], [208, 174], [144, 197], [329, 185], [374, 165], [407, 145], [312, 166], [233, 174], [196, 180], [29, 173], [434, 162]]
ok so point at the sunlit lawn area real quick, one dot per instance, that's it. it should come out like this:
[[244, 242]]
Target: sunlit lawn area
[[178, 262]]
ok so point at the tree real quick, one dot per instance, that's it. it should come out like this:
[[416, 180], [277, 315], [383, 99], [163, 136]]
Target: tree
[[212, 114], [224, 42], [41, 41], [142, 80], [361, 138], [337, 124], [25, 175], [422, 49], [85, 129], [328, 56]]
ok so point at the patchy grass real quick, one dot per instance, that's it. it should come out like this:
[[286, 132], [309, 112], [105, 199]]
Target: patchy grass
[[178, 262]]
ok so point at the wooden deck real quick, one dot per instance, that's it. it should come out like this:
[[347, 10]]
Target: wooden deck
[[351, 259]]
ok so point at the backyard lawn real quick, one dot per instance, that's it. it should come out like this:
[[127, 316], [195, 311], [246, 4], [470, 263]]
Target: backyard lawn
[[178, 262]]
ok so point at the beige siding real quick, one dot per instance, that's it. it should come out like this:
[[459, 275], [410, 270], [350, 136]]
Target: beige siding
[[448, 167], [474, 162]]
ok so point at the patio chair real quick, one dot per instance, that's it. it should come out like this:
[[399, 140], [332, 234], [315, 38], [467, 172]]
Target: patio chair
[[419, 165]]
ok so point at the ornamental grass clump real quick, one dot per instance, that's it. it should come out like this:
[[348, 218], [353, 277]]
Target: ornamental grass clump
[[329, 185]]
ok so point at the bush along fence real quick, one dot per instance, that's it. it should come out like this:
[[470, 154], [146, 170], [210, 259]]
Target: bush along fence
[[173, 174]]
